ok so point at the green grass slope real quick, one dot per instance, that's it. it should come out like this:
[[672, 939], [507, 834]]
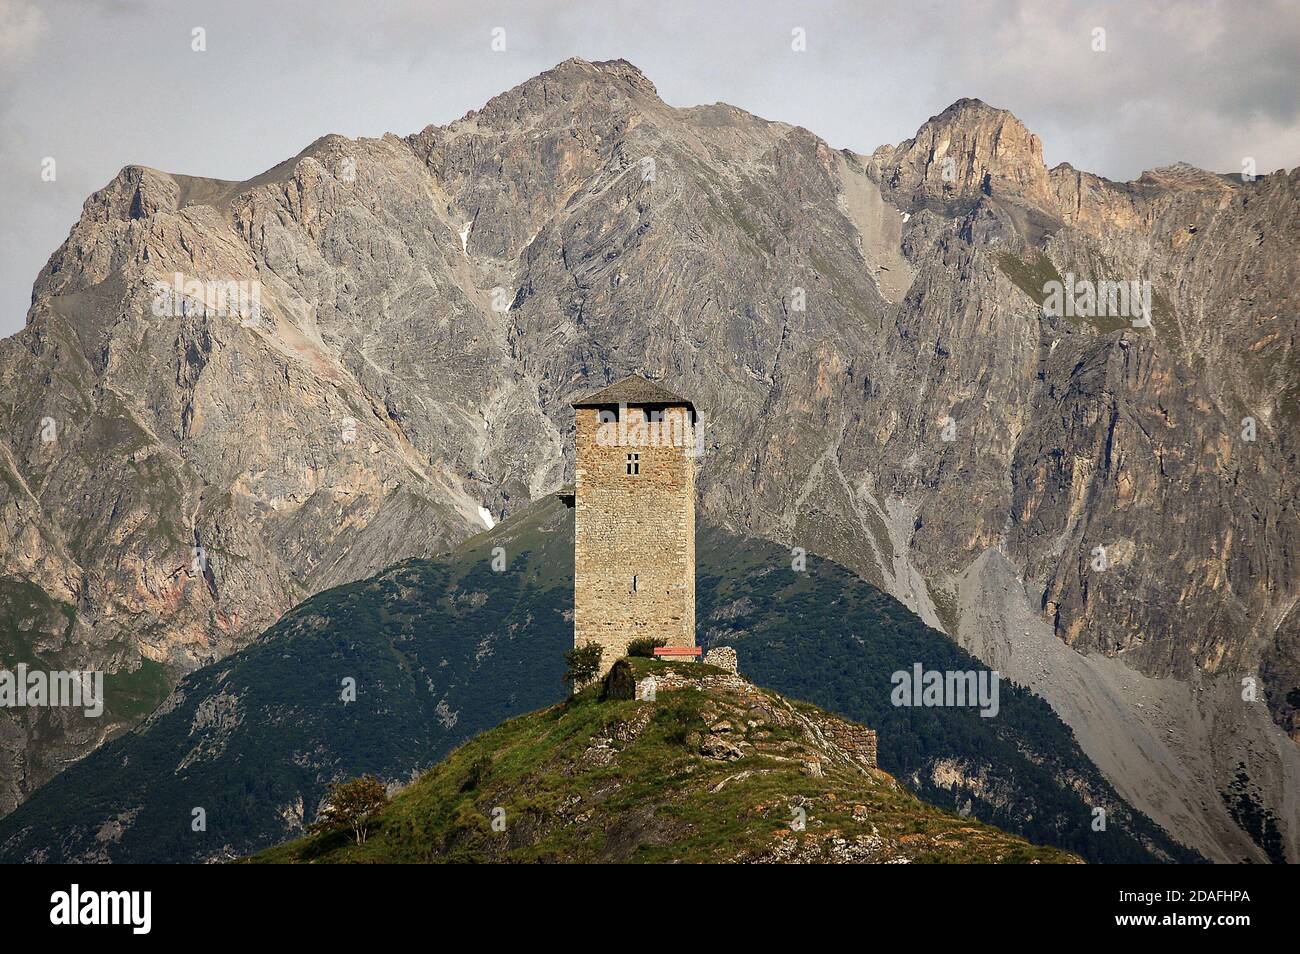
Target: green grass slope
[[636, 781]]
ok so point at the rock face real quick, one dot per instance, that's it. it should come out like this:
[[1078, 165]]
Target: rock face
[[967, 150], [865, 337]]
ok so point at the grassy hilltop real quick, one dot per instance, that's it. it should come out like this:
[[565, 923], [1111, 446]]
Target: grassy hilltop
[[716, 771]]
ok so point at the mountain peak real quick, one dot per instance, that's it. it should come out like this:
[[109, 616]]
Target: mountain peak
[[576, 68], [619, 69], [969, 148], [568, 82], [970, 104], [1184, 176]]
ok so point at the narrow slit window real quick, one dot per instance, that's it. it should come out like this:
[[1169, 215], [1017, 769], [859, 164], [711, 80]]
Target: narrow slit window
[[633, 464], [633, 582]]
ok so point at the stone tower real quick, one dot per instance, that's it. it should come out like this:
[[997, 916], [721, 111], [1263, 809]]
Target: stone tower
[[634, 517]]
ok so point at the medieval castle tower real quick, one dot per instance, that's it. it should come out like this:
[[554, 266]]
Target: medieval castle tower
[[634, 516]]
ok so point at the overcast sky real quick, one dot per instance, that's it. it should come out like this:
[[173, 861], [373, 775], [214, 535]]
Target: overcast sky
[[100, 85]]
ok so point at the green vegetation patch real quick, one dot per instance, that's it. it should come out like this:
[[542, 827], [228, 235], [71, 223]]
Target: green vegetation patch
[[598, 781]]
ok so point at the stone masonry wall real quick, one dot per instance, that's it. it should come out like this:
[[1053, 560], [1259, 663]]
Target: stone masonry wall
[[856, 740], [640, 526], [724, 657]]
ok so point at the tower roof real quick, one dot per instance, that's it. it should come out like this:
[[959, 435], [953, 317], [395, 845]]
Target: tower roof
[[634, 391]]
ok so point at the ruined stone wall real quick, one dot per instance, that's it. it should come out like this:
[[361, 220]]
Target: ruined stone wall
[[857, 741], [640, 526], [724, 657]]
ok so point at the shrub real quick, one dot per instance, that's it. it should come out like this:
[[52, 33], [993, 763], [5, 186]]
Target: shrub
[[620, 683], [645, 646], [478, 771], [352, 805], [584, 663]]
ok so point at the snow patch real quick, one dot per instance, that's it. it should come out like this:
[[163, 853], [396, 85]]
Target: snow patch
[[486, 516], [464, 238]]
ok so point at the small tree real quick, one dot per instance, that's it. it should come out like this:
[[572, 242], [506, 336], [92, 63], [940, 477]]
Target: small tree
[[352, 805], [645, 646], [584, 663], [620, 682]]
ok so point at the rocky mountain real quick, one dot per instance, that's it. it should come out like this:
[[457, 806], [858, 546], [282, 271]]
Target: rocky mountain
[[713, 769], [870, 339], [442, 651]]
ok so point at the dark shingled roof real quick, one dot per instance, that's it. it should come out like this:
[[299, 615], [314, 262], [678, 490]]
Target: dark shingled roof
[[634, 391]]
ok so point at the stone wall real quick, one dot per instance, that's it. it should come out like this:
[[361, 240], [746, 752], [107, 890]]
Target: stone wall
[[634, 542], [724, 657], [857, 741]]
